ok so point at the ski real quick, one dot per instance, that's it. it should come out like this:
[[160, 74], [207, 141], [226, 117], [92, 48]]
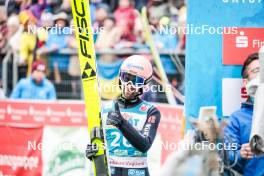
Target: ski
[[156, 58], [84, 36]]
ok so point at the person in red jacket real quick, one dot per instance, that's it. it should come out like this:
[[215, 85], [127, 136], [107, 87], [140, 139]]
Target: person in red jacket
[[125, 16]]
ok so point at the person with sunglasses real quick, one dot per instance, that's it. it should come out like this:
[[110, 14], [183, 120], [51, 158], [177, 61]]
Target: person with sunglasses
[[130, 123]]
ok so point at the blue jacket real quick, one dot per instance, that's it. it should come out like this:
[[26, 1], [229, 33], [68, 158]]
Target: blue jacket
[[26, 88], [238, 131], [58, 38]]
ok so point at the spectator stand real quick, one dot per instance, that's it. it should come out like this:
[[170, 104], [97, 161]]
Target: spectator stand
[[116, 16], [66, 83]]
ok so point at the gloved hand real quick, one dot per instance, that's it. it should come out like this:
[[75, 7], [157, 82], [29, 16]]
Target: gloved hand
[[114, 118], [91, 151]]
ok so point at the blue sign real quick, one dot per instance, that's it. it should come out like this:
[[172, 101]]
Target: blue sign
[[204, 68]]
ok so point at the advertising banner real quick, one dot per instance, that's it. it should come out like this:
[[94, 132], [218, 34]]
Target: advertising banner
[[214, 53], [49, 138], [234, 93], [63, 151], [237, 47], [16, 159]]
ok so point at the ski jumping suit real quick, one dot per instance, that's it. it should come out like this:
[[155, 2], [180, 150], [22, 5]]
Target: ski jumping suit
[[128, 144]]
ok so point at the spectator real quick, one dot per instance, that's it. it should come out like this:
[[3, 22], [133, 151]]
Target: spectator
[[93, 6], [45, 22], [13, 7], [182, 23], [25, 4], [122, 29], [66, 7], [139, 30], [101, 13], [173, 9], [159, 8], [113, 4], [140, 3], [14, 32], [110, 36], [74, 67], [3, 29], [57, 40], [53, 6], [165, 41], [125, 17], [37, 7], [36, 86], [28, 41], [239, 127], [12, 25]]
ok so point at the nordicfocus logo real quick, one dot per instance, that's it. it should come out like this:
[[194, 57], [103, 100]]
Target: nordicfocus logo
[[242, 1], [242, 41]]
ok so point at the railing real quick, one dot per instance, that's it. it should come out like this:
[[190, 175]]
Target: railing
[[177, 58]]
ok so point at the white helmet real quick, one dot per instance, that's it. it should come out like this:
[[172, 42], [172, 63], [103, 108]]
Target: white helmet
[[137, 66]]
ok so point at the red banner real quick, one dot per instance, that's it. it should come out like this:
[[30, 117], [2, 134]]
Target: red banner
[[16, 158], [237, 47], [170, 128], [60, 113]]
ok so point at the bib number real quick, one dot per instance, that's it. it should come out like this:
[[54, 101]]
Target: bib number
[[117, 138]]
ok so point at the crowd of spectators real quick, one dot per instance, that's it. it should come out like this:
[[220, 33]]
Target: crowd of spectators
[[117, 26]]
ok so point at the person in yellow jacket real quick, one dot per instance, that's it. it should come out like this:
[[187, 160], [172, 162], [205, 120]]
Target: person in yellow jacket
[[28, 40]]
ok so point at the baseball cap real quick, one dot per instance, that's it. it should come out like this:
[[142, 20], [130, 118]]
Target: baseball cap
[[38, 65]]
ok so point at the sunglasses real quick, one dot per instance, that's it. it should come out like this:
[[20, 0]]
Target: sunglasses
[[135, 80]]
